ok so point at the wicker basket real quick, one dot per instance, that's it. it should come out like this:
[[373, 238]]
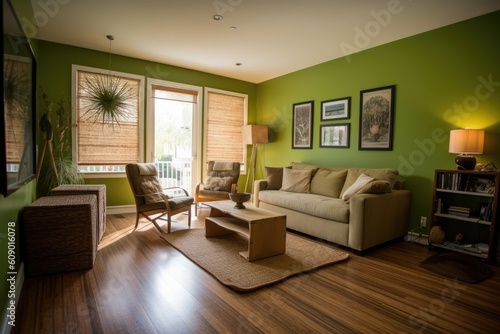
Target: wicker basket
[[436, 235], [60, 234], [82, 189]]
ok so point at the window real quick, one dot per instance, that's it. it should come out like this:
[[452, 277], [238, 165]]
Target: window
[[226, 113], [101, 147]]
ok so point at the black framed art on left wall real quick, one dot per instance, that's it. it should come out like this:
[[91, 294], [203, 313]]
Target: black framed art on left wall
[[18, 122]]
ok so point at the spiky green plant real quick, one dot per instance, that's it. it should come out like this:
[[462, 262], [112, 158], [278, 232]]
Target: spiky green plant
[[106, 98]]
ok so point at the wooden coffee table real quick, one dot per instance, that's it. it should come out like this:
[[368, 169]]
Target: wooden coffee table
[[265, 230]]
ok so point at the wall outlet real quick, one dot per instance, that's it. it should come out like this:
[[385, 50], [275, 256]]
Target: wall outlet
[[423, 222]]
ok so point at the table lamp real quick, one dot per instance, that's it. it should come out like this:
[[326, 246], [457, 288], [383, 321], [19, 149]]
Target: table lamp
[[465, 142]]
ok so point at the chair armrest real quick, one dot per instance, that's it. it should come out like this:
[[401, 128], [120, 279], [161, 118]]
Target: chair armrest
[[258, 185]]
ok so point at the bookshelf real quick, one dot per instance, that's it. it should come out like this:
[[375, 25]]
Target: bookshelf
[[465, 205]]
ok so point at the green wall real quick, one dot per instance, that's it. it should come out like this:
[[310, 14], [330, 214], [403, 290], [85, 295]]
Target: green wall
[[441, 80], [55, 77]]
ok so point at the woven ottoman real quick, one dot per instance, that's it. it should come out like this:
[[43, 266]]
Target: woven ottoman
[[60, 234], [80, 189]]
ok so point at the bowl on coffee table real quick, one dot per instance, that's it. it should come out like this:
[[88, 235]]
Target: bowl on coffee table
[[239, 199]]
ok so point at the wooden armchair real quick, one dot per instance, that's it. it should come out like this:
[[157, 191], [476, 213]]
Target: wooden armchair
[[151, 200], [221, 179]]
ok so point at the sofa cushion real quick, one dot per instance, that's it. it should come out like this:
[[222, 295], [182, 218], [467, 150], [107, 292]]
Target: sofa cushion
[[385, 174], [315, 205], [360, 182], [328, 183], [376, 187], [298, 181], [301, 166], [274, 178]]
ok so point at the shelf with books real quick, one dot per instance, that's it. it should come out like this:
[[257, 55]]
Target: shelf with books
[[465, 206]]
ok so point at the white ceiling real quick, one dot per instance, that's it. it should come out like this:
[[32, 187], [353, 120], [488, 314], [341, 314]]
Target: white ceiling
[[269, 37]]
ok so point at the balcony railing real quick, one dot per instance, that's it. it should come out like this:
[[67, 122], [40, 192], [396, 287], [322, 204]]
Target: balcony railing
[[174, 174], [170, 173]]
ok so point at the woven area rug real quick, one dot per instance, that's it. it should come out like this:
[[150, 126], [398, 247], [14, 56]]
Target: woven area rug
[[220, 257], [463, 267]]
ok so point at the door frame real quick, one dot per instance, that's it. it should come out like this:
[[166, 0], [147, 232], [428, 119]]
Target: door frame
[[196, 126]]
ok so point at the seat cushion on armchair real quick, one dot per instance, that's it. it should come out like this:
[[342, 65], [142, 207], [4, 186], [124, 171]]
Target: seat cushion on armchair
[[180, 202]]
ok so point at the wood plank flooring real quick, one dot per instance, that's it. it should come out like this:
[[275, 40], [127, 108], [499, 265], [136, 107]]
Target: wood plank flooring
[[140, 284]]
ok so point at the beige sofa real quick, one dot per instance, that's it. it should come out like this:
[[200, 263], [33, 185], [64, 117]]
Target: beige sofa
[[354, 207]]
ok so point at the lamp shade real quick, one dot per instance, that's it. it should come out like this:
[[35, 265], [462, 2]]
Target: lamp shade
[[254, 134], [467, 141]]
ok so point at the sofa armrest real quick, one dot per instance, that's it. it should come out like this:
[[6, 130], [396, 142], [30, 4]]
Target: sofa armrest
[[378, 218], [258, 185]]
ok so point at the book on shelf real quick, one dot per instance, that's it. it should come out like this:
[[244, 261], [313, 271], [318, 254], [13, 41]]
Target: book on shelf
[[465, 182], [459, 211]]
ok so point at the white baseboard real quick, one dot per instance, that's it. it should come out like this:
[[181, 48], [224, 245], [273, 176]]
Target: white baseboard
[[4, 325], [422, 239], [118, 209]]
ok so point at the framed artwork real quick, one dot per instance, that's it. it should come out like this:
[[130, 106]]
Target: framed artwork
[[18, 121], [334, 135], [336, 109], [376, 118], [302, 125]]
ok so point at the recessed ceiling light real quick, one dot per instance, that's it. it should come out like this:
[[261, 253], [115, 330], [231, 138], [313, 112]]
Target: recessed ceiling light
[[233, 27], [217, 17]]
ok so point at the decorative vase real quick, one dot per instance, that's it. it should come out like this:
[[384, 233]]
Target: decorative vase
[[436, 235], [374, 130]]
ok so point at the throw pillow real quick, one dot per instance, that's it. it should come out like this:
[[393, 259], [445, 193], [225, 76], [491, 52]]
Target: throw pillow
[[297, 181], [376, 187], [274, 178], [218, 183], [328, 183], [362, 181], [151, 190]]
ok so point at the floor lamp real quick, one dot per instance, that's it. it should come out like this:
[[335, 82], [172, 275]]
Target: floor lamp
[[253, 135]]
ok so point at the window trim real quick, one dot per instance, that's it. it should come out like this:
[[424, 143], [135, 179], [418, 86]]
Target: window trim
[[74, 115], [205, 122]]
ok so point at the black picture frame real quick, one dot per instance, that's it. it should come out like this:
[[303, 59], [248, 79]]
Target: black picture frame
[[302, 129], [18, 124], [376, 118], [336, 109], [335, 135]]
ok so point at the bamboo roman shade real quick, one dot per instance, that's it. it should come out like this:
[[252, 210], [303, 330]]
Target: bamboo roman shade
[[16, 107], [174, 94], [108, 144], [225, 117]]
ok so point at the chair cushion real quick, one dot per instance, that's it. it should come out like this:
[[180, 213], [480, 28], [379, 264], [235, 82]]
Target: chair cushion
[[180, 202], [151, 188], [219, 183]]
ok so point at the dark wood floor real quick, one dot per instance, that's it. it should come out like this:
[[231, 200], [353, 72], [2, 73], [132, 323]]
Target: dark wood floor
[[140, 284]]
